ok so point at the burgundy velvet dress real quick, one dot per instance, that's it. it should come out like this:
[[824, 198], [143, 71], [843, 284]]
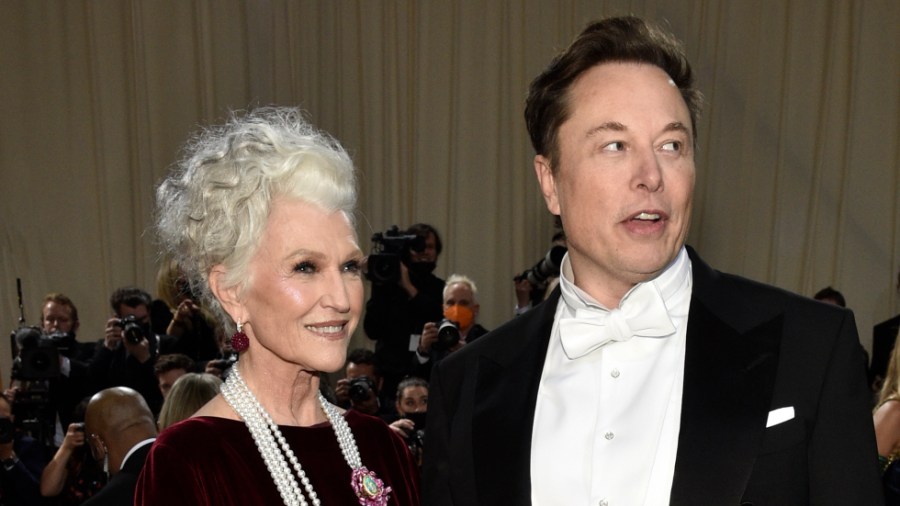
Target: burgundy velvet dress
[[214, 461]]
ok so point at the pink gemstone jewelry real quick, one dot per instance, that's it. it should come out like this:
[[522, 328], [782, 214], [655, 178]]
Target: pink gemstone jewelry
[[276, 452]]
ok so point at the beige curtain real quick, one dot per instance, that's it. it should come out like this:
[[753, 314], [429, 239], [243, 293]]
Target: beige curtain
[[799, 169]]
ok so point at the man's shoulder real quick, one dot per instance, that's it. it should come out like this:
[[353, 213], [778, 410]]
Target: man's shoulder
[[724, 289], [526, 333]]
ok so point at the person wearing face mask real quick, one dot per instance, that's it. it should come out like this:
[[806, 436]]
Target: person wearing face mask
[[128, 352], [396, 312], [412, 408], [458, 327]]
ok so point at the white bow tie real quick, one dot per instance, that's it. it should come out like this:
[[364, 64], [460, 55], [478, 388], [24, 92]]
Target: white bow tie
[[643, 313]]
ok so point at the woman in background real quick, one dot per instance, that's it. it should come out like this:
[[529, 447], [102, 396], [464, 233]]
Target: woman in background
[[189, 393]]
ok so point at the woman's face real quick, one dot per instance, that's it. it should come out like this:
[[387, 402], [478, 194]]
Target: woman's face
[[413, 400], [305, 291]]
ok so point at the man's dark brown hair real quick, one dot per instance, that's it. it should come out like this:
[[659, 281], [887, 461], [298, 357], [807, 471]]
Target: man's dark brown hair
[[620, 39]]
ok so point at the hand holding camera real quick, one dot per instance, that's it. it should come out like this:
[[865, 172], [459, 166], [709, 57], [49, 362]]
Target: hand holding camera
[[74, 437], [128, 331]]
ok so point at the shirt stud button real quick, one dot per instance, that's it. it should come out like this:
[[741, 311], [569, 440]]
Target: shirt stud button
[[609, 436], [614, 373]]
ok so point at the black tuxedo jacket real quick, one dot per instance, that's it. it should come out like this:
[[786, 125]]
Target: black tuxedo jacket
[[120, 489], [751, 349]]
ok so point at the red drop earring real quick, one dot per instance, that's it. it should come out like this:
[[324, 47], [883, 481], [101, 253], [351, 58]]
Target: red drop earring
[[239, 341]]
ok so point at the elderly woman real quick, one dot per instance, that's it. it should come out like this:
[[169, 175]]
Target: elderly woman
[[260, 217]]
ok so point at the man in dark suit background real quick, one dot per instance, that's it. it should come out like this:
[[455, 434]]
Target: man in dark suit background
[[120, 429], [647, 377]]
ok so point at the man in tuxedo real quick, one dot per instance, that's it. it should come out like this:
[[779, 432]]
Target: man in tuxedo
[[647, 377], [120, 429]]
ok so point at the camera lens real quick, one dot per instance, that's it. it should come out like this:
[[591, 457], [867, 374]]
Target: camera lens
[[448, 335]]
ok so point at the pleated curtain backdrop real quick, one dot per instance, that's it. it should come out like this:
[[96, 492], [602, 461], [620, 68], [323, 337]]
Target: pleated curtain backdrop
[[798, 168]]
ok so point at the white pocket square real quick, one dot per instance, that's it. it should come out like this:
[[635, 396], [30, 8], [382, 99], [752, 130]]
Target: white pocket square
[[780, 415]]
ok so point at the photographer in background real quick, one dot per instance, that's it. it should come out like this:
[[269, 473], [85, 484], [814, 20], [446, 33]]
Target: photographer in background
[[458, 327], [178, 313], [535, 284], [22, 459], [412, 406], [129, 350], [398, 309], [361, 388], [47, 394]]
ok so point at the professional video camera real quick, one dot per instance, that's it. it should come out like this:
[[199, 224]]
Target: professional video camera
[[389, 248], [546, 268], [37, 355], [35, 363]]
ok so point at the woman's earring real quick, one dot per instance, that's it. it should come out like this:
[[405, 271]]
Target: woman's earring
[[239, 341]]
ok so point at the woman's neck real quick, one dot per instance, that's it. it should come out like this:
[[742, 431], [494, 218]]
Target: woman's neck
[[287, 392]]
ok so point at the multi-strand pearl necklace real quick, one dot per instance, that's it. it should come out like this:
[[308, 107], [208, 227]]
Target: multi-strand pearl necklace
[[277, 453]]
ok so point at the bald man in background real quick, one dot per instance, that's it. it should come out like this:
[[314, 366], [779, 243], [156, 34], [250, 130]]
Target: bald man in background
[[120, 429]]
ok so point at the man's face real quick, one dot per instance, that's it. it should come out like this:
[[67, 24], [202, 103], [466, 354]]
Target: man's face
[[429, 254], [368, 370], [460, 294], [167, 379], [356, 370], [141, 313], [624, 180], [57, 317]]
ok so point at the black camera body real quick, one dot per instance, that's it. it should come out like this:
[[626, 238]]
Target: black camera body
[[448, 335], [131, 329], [389, 249], [360, 387]]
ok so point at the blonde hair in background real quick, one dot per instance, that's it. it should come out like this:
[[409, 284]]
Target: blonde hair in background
[[891, 386], [189, 393]]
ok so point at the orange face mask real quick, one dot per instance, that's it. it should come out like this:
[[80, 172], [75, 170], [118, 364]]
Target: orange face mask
[[462, 315]]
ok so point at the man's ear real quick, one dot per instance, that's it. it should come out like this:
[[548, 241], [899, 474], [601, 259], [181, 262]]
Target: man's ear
[[547, 182], [228, 296]]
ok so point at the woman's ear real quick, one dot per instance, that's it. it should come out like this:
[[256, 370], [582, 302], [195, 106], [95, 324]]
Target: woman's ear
[[228, 296]]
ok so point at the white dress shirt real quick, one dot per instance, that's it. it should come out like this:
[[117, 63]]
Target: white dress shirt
[[606, 423]]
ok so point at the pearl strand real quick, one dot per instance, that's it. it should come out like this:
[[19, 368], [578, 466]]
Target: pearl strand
[[243, 402], [265, 433]]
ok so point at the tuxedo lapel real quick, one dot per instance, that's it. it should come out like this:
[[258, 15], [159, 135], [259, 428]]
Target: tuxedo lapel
[[506, 393], [730, 366]]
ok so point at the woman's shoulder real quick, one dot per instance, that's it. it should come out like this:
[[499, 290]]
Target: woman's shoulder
[[888, 408]]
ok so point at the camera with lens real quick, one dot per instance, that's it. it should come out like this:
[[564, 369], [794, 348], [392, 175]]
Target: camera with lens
[[360, 387], [448, 335], [415, 441], [131, 329], [389, 249], [545, 269]]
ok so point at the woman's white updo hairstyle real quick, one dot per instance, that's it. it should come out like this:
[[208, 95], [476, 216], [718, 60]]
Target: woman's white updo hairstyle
[[213, 207]]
